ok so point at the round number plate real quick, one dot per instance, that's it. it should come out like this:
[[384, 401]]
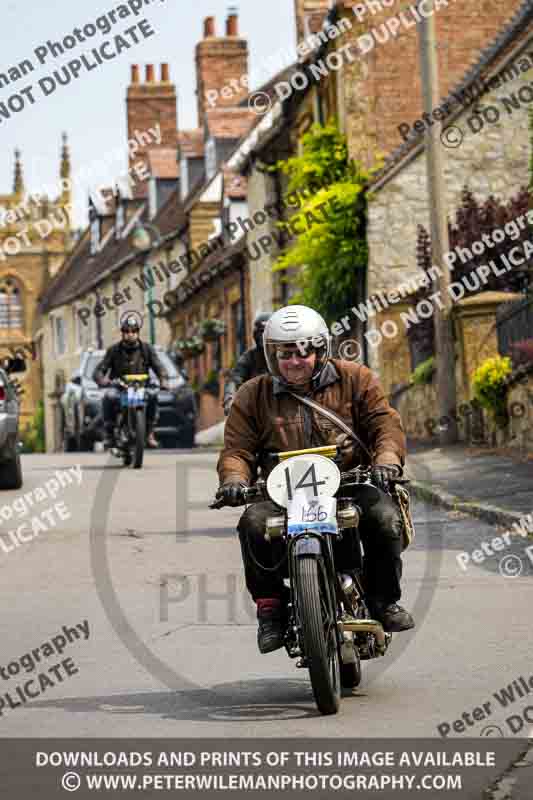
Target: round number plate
[[314, 476]]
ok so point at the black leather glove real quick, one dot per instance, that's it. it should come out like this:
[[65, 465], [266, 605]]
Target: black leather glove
[[383, 474], [232, 493]]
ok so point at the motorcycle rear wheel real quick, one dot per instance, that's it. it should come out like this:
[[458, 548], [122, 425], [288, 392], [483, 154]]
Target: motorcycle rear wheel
[[318, 622]]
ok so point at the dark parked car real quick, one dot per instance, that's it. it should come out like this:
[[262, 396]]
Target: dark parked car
[[82, 406], [10, 466]]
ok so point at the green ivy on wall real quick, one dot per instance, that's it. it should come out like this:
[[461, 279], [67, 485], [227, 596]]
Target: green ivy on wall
[[331, 245]]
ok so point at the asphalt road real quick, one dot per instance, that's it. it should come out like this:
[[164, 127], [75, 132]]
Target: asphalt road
[[171, 649]]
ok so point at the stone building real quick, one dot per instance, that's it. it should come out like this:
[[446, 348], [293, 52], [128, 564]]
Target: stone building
[[183, 197], [382, 87], [374, 92], [106, 274], [489, 158], [35, 236]]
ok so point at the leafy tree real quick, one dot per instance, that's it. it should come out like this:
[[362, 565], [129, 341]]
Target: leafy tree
[[330, 248]]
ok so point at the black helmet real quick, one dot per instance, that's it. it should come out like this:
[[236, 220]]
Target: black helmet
[[260, 320], [130, 324]]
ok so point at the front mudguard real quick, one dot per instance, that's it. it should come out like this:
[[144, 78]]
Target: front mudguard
[[307, 546]]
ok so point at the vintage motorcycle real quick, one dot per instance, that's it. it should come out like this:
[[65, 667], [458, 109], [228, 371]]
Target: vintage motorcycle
[[130, 429], [329, 627]]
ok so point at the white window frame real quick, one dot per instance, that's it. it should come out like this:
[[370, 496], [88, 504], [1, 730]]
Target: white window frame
[[58, 323], [210, 158], [120, 220], [95, 236], [84, 330]]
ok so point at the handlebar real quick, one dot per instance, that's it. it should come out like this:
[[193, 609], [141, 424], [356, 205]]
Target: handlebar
[[117, 383], [249, 494], [357, 476]]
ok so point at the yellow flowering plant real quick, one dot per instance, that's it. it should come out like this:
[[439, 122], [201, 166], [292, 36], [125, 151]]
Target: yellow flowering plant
[[490, 386]]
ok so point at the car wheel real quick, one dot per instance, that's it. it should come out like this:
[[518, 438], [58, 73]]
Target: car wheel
[[167, 442], [11, 474], [86, 443], [82, 442], [186, 436], [68, 441]]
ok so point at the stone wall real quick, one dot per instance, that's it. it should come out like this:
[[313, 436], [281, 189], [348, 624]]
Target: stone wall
[[520, 408], [420, 416], [493, 161]]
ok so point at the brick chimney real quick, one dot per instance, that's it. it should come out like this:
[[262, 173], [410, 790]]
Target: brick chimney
[[310, 15], [150, 104], [219, 61]]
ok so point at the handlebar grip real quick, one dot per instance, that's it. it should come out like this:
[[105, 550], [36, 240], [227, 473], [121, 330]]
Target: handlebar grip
[[217, 503], [249, 493]]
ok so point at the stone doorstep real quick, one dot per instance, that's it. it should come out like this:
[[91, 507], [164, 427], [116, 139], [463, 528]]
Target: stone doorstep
[[485, 511]]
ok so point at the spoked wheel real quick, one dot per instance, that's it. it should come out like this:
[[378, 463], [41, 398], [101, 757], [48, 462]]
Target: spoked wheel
[[318, 621], [140, 433]]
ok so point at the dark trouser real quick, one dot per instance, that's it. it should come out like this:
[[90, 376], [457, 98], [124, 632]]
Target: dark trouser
[[380, 529], [111, 409]]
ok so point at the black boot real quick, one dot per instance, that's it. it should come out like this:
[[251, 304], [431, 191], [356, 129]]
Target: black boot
[[109, 438], [393, 617], [271, 625]]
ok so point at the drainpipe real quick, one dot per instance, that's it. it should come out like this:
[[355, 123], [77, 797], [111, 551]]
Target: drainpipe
[[242, 332], [99, 336]]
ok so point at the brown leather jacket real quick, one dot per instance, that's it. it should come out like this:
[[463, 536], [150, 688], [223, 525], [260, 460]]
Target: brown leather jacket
[[265, 419]]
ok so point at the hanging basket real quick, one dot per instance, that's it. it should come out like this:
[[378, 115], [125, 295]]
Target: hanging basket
[[211, 329], [190, 348]]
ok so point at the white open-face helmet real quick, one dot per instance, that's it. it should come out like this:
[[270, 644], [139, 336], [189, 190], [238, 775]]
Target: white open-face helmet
[[298, 327]]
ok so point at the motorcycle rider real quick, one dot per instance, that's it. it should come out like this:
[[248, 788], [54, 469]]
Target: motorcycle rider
[[130, 356], [250, 364], [264, 418]]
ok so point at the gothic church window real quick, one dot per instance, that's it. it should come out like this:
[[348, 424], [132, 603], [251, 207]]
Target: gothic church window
[[11, 315]]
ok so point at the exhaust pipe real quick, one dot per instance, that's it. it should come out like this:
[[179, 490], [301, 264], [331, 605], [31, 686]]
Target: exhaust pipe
[[366, 626]]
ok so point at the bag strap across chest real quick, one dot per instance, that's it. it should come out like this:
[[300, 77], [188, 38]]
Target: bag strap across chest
[[332, 418]]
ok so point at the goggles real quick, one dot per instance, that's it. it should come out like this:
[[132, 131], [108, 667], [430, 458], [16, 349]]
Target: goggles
[[302, 351]]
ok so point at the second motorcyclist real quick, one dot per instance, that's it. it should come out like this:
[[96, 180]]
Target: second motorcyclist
[[129, 356], [251, 364]]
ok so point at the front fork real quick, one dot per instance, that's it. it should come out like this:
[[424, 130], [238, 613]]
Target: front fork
[[319, 547]]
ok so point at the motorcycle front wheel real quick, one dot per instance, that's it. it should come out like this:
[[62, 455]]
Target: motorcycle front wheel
[[139, 435], [318, 623]]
